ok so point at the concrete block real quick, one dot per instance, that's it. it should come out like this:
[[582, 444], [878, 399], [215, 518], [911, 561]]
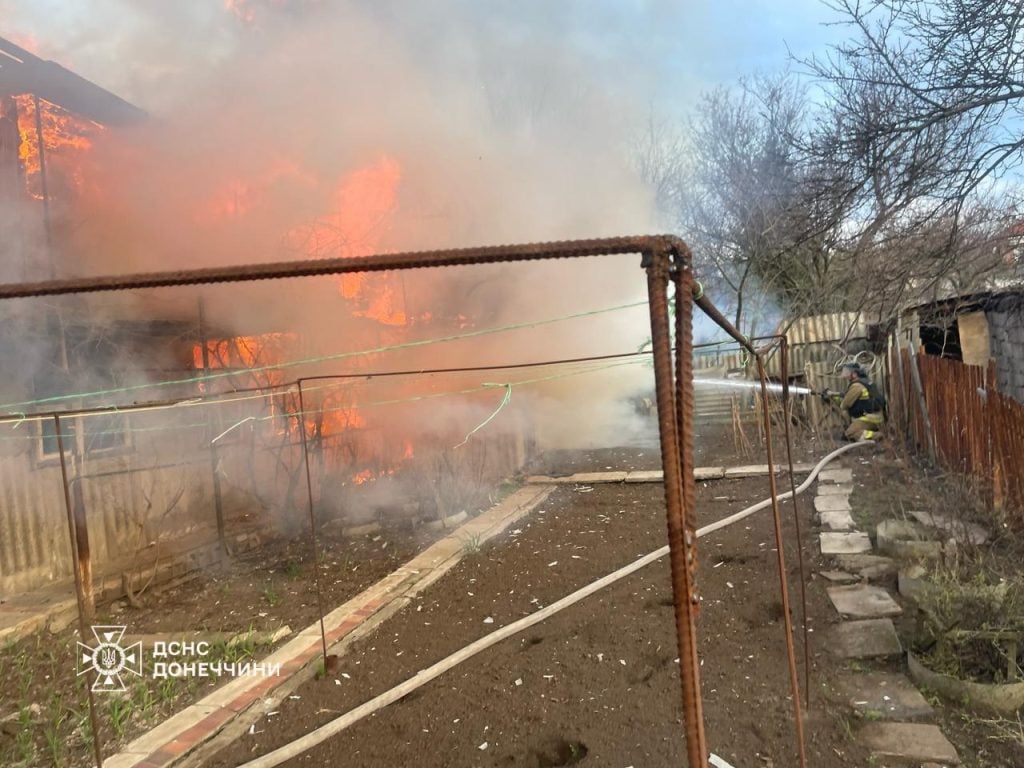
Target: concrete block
[[871, 567], [836, 476], [831, 504], [839, 577], [708, 473], [867, 639], [751, 470], [588, 478], [902, 538], [962, 531], [844, 543], [885, 695], [912, 743], [911, 581], [837, 521], [645, 476], [830, 489], [863, 601]]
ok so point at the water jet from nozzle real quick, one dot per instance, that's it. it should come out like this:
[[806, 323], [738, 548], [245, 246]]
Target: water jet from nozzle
[[740, 384]]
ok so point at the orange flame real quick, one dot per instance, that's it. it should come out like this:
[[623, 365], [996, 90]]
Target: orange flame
[[65, 139], [363, 204], [361, 477]]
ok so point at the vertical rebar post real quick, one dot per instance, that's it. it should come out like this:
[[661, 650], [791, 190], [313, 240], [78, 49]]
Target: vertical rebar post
[[312, 522], [787, 617], [218, 502], [74, 534], [784, 372], [681, 545]]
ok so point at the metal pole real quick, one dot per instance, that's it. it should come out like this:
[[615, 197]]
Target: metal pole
[[915, 375], [783, 580], [212, 429], [784, 370], [312, 523], [680, 544], [904, 400], [77, 534]]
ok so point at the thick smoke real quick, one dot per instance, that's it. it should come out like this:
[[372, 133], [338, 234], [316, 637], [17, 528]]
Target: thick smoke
[[508, 123]]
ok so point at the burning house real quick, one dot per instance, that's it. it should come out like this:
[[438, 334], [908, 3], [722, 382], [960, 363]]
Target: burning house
[[181, 438]]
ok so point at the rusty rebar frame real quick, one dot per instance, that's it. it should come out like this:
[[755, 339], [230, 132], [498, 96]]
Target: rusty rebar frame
[[312, 525], [711, 311], [783, 342], [75, 521], [664, 257]]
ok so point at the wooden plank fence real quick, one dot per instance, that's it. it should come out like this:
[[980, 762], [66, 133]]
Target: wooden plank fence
[[977, 430]]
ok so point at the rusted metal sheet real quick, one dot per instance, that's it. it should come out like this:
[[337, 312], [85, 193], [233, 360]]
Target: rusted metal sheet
[[130, 499], [977, 430]]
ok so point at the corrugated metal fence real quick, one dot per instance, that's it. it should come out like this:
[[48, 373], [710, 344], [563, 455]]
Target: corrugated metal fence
[[976, 430]]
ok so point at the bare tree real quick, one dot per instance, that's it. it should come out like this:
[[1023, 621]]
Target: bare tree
[[927, 98], [921, 126], [745, 203]]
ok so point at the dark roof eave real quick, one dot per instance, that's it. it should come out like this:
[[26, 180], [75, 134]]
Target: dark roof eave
[[24, 72]]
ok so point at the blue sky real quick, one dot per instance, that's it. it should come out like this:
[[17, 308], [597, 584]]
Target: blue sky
[[674, 48]]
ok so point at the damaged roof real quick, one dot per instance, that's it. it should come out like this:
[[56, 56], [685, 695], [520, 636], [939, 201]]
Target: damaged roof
[[23, 72]]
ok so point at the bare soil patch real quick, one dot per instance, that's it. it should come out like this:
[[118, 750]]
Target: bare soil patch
[[43, 707], [599, 683]]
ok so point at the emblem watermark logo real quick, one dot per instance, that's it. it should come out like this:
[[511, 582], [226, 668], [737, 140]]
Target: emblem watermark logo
[[108, 659]]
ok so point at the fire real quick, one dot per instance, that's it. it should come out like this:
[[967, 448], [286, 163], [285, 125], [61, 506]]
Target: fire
[[361, 477], [244, 353], [66, 138], [362, 205], [252, 361], [238, 197]]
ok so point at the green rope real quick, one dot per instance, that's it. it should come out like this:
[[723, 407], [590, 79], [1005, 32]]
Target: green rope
[[376, 403], [485, 422], [17, 407]]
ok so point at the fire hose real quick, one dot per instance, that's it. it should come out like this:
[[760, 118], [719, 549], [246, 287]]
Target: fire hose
[[421, 678]]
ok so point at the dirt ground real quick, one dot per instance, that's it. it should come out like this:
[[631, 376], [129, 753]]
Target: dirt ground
[[44, 710], [598, 682]]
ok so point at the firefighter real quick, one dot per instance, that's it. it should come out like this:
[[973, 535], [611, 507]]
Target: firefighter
[[862, 403]]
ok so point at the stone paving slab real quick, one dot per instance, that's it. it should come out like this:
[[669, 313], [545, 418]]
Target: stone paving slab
[[832, 489], [656, 475], [863, 601], [837, 521], [839, 577], [578, 478], [884, 695], [645, 476], [868, 566], [180, 735], [756, 470], [831, 504], [708, 473], [867, 639], [913, 743], [836, 476], [844, 543]]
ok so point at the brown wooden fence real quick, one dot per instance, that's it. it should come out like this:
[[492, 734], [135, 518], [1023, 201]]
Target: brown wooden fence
[[975, 430]]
